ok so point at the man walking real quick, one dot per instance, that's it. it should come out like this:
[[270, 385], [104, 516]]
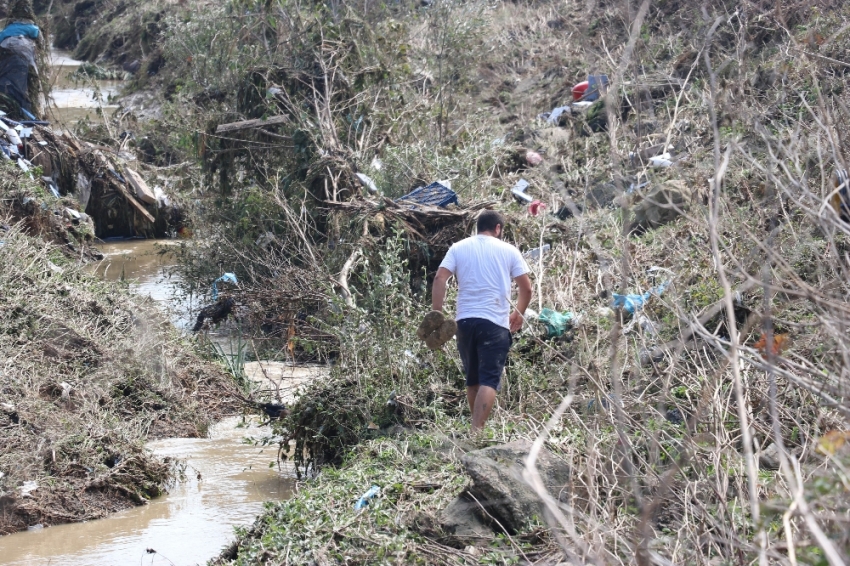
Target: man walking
[[484, 266]]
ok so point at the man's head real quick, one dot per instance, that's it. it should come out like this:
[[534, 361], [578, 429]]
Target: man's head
[[491, 222]]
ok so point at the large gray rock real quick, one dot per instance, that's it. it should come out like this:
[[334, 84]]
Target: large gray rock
[[498, 484]]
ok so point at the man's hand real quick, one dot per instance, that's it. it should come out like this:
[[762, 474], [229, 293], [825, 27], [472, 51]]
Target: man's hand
[[516, 321]]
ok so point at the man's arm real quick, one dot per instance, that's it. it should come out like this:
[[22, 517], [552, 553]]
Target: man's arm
[[438, 290], [523, 283]]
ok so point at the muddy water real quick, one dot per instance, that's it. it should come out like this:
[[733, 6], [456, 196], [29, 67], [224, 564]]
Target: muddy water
[[146, 266], [227, 482], [72, 101]]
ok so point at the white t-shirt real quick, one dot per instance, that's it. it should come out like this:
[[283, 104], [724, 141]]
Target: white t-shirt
[[484, 267]]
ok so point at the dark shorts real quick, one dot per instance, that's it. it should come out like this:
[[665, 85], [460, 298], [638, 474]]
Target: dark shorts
[[483, 347]]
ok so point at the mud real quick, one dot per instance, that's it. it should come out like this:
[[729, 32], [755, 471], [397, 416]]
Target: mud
[[226, 483]]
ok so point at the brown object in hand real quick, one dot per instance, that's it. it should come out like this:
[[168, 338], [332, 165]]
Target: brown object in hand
[[429, 324], [436, 330]]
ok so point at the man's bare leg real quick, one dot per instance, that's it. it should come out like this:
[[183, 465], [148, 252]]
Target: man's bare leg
[[484, 400], [471, 394]]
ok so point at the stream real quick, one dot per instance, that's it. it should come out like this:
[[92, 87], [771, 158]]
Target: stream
[[226, 479]]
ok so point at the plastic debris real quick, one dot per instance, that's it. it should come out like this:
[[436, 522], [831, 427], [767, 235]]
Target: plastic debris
[[533, 158], [72, 213], [438, 193], [519, 193], [632, 303], [376, 163], [556, 323], [226, 278], [590, 89], [535, 253], [36, 527], [663, 160], [535, 207], [364, 499], [554, 116], [368, 183], [28, 487]]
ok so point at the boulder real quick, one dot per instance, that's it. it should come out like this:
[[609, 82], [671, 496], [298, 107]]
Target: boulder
[[498, 484], [661, 205]]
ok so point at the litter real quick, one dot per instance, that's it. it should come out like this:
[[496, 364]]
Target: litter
[[72, 213], [535, 207], [556, 323], [632, 303], [226, 278], [368, 183], [632, 188], [28, 487], [535, 253], [554, 116], [519, 193], [663, 160], [364, 499], [533, 158], [376, 163], [590, 89], [435, 194]]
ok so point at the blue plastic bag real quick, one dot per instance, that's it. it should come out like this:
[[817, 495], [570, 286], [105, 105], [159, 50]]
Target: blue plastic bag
[[364, 499], [226, 278], [632, 303]]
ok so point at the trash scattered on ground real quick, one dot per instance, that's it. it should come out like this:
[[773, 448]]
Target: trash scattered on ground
[[226, 278], [519, 193], [367, 182], [554, 116], [533, 158], [535, 207], [556, 323], [366, 497], [780, 342], [589, 90], [663, 160], [567, 211], [438, 193], [28, 487], [643, 156], [535, 252], [631, 303]]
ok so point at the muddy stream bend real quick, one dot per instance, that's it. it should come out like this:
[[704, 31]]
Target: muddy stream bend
[[226, 479]]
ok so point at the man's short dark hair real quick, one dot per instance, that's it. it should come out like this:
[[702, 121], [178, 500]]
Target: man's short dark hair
[[488, 220]]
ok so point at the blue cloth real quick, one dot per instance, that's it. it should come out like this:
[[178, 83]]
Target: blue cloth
[[18, 29]]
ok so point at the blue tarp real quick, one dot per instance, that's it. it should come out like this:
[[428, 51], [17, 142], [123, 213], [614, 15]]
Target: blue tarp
[[435, 194], [18, 29]]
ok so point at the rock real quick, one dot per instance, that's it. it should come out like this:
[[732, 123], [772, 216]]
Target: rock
[[498, 484], [462, 522], [769, 457], [661, 205]]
